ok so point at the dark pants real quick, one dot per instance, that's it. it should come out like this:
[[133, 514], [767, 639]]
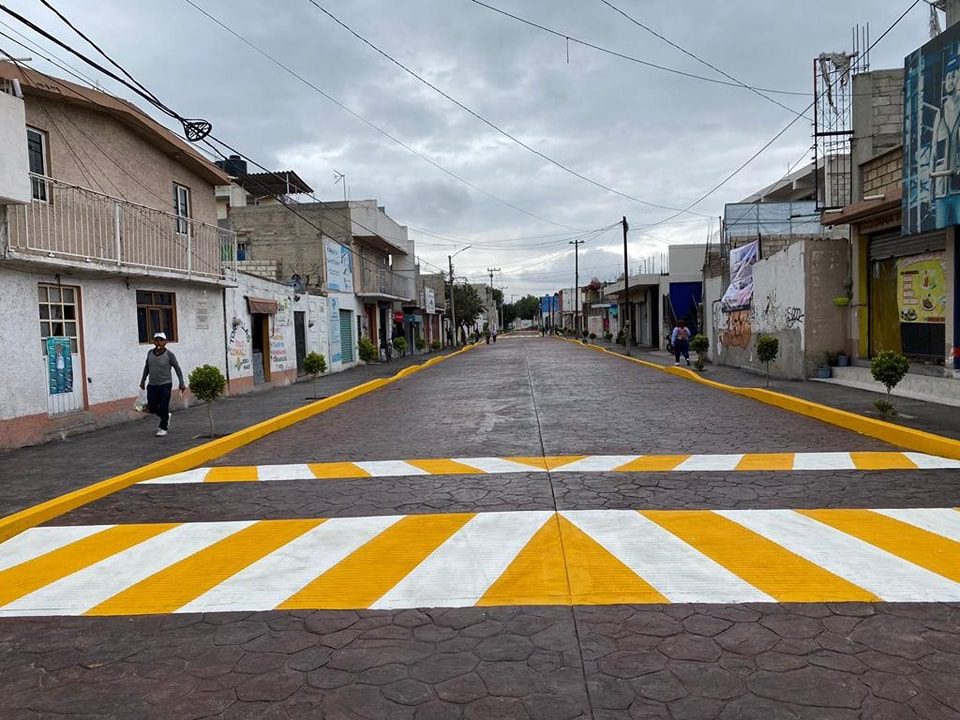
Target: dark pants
[[682, 347], [158, 400]]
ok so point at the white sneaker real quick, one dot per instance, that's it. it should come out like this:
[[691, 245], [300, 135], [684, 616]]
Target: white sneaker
[[676, 363], [161, 433]]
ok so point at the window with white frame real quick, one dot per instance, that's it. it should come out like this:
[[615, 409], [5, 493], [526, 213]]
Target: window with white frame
[[58, 315], [181, 208], [37, 155]]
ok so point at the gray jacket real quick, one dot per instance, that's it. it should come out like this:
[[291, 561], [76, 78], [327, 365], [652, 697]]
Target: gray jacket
[[158, 368]]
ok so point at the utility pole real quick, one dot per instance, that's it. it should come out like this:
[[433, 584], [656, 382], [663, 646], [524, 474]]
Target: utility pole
[[626, 290], [576, 283], [490, 272]]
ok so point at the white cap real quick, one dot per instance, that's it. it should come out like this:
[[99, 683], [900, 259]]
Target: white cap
[[159, 336]]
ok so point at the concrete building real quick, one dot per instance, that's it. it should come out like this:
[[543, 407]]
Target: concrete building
[[108, 233]]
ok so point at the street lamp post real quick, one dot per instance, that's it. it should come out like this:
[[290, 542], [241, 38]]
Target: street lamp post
[[453, 307]]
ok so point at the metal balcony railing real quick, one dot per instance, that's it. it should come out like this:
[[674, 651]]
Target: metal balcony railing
[[75, 223], [375, 279]]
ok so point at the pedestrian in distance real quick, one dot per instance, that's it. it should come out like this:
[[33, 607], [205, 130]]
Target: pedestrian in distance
[[158, 379], [493, 334], [680, 337]]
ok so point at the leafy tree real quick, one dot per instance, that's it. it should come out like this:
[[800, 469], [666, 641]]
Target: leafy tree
[[527, 307], [366, 350], [768, 347], [888, 368], [436, 345], [700, 344], [315, 365], [400, 344], [207, 383], [509, 313], [468, 305]]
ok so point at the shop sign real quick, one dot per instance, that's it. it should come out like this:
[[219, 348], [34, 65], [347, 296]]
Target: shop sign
[[398, 316], [922, 288]]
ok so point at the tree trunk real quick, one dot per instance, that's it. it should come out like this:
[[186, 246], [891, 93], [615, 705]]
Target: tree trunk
[[210, 417]]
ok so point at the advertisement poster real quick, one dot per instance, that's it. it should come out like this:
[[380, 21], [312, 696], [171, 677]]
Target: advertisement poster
[[335, 355], [430, 301], [339, 267], [740, 293], [59, 366], [922, 288]]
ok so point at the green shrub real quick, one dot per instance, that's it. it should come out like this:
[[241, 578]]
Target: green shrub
[[315, 365], [886, 409], [366, 350], [400, 344], [593, 336], [436, 345], [699, 344], [421, 343], [207, 383], [768, 347], [889, 368], [608, 336]]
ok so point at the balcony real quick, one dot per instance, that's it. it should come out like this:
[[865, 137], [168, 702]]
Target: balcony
[[71, 225], [378, 282]]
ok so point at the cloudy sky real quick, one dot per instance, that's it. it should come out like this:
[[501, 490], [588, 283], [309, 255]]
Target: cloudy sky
[[656, 136]]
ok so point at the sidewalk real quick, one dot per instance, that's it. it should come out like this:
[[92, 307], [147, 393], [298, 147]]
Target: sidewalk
[[918, 414], [40, 472]]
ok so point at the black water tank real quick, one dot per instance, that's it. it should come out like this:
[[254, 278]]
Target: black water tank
[[234, 166]]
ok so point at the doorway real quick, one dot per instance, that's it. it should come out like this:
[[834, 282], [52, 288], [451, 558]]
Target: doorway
[[260, 342], [300, 332]]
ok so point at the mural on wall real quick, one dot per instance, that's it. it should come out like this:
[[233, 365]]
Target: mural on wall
[[339, 266], [284, 316], [931, 135], [922, 288], [59, 366], [737, 332], [239, 347]]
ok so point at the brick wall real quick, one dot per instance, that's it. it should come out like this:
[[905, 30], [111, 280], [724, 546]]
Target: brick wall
[[883, 173]]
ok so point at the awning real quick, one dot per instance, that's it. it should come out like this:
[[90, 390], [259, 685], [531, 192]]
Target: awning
[[259, 306], [887, 203]]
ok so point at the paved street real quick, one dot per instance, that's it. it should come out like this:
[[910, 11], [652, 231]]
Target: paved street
[[526, 530]]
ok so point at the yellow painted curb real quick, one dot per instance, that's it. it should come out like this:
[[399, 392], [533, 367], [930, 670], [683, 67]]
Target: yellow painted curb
[[194, 457], [904, 437]]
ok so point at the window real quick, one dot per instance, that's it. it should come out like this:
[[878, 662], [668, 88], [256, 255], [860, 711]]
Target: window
[[156, 312], [37, 155], [181, 208], [58, 315]]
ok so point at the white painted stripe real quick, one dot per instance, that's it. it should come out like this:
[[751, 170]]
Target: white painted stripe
[[87, 588], [35, 542], [931, 462], [884, 574], [285, 472], [597, 463], [272, 579], [390, 468], [495, 465], [823, 461], [190, 476], [679, 571], [710, 462], [460, 571], [942, 521]]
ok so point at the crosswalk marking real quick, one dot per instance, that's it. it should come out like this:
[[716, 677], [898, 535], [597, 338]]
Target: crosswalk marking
[[749, 462], [887, 576], [486, 559]]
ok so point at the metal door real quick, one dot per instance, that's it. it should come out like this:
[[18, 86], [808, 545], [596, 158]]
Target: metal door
[[300, 331], [346, 336]]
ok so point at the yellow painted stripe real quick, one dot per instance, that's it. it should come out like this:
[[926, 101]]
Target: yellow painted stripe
[[536, 576], [238, 473], [882, 461], [175, 586], [445, 467], [337, 470], [34, 574], [767, 461], [921, 547], [599, 578], [783, 575], [550, 462], [652, 463], [365, 575]]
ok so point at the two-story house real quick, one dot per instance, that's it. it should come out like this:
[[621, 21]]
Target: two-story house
[[108, 234]]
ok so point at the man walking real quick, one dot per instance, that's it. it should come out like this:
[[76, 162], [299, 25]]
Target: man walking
[[160, 362]]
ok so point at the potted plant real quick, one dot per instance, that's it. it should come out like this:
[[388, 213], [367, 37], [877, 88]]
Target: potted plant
[[831, 358], [699, 344], [843, 360], [888, 368], [436, 345], [823, 367], [207, 383], [315, 365], [400, 344], [768, 347], [366, 350]]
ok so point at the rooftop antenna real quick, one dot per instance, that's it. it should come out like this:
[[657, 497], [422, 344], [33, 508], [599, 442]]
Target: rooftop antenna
[[339, 177]]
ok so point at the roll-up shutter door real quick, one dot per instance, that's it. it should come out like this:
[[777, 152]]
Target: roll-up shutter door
[[346, 336], [888, 245]]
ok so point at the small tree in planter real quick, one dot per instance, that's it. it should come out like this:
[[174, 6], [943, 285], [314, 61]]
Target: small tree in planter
[[367, 351], [436, 345], [699, 344], [315, 365], [593, 336], [768, 347], [888, 368], [207, 383], [400, 344]]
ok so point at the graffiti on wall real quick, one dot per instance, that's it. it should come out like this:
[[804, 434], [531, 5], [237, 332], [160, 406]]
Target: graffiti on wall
[[778, 317], [278, 351], [738, 329], [239, 347]]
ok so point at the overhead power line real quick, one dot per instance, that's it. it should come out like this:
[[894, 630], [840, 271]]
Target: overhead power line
[[623, 56], [700, 60], [489, 123]]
